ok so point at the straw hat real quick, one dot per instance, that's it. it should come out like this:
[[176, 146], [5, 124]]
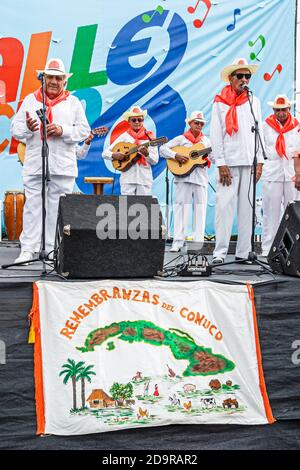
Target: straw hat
[[134, 112], [237, 65], [281, 101], [196, 116], [55, 67]]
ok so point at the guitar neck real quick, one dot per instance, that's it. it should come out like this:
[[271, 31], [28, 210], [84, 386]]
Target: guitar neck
[[202, 151], [151, 143]]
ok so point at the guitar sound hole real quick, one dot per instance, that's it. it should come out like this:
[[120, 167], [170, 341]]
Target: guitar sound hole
[[193, 155]]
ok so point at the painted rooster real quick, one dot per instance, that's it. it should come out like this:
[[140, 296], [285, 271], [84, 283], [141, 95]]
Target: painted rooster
[[187, 406]]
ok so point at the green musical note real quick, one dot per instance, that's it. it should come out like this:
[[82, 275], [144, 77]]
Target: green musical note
[[254, 56], [147, 18]]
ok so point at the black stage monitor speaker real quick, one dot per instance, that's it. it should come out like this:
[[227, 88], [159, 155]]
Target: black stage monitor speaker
[[109, 236], [284, 255]]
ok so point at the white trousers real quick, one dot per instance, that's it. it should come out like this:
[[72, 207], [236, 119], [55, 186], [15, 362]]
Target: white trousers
[[186, 194], [229, 198], [274, 193], [135, 190], [32, 216]]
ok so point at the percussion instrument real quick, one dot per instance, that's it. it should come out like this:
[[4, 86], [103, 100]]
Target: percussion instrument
[[13, 213]]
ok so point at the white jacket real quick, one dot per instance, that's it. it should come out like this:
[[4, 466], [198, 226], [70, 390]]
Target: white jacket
[[275, 167], [238, 149], [69, 114], [199, 175], [137, 174]]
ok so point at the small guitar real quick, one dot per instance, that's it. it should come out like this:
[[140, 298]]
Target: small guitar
[[195, 156], [21, 149], [131, 152]]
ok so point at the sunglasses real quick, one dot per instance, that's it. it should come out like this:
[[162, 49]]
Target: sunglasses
[[239, 76], [136, 119]]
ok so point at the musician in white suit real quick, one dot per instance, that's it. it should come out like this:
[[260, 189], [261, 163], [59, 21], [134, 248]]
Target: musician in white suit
[[192, 187], [232, 142], [281, 141], [138, 179]]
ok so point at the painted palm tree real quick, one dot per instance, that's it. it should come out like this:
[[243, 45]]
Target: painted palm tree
[[83, 375], [71, 370]]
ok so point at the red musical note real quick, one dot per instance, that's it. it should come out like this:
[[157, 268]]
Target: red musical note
[[198, 23], [268, 77]]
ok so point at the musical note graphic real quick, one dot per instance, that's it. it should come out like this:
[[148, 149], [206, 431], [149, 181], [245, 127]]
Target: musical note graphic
[[254, 56], [198, 23], [147, 18], [236, 12], [269, 77]]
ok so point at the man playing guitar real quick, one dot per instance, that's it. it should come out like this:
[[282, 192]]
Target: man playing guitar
[[137, 180], [192, 186]]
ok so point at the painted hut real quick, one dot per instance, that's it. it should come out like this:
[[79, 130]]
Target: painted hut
[[99, 399]]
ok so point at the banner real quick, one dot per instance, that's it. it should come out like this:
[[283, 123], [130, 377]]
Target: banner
[[113, 355], [165, 56]]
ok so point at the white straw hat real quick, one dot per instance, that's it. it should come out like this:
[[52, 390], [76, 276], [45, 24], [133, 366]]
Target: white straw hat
[[281, 101], [55, 67], [237, 65], [134, 112], [196, 116]]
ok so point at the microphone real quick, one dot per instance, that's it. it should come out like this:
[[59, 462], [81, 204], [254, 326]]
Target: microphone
[[40, 76], [245, 87]]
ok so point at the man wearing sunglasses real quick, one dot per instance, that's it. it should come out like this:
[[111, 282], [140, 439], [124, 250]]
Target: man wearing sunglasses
[[232, 142], [190, 188], [138, 179], [281, 142]]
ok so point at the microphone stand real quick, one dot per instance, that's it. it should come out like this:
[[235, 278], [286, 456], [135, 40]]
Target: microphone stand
[[45, 179], [167, 202]]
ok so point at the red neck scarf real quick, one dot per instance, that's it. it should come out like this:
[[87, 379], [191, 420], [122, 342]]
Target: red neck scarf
[[232, 99], [138, 136], [50, 103], [289, 125], [190, 136]]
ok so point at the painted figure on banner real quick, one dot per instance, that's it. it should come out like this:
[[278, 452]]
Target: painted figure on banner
[[156, 391], [67, 126], [233, 149], [281, 142], [137, 179], [187, 159]]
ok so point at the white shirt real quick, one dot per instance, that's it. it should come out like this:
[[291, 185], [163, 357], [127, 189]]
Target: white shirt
[[137, 174], [69, 114], [82, 150], [199, 175], [277, 168], [238, 149]]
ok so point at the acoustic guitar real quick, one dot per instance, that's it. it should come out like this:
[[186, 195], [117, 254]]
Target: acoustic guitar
[[196, 157], [21, 149], [131, 152]]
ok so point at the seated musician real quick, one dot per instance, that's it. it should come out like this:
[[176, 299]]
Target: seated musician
[[138, 179], [191, 187]]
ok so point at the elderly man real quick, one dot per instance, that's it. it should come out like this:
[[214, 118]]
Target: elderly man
[[281, 141], [190, 187], [233, 150], [138, 179], [67, 126]]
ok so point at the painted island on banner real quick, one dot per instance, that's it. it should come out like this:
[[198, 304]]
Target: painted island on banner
[[119, 354]]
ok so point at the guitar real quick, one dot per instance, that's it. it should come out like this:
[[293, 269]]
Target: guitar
[[21, 149], [131, 152], [195, 156]]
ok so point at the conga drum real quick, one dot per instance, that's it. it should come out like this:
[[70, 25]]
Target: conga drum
[[13, 214]]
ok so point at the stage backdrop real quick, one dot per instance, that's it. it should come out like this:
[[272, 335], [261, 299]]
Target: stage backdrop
[[165, 55], [145, 353]]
